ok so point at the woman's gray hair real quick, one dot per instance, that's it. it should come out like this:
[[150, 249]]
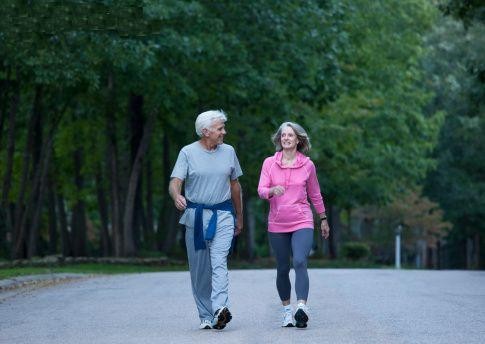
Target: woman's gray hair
[[206, 119], [303, 145]]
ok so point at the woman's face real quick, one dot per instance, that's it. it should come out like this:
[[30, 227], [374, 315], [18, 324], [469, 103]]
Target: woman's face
[[288, 139]]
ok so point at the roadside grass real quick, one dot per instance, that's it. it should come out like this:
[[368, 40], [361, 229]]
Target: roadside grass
[[89, 268], [344, 264], [313, 263], [110, 268]]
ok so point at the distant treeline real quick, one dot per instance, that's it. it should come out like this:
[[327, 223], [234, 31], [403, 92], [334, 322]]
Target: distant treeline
[[97, 98]]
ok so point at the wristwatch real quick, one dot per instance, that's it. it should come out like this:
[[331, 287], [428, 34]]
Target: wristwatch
[[323, 218]]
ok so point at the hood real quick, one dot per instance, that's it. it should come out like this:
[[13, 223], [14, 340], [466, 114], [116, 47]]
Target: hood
[[301, 160]]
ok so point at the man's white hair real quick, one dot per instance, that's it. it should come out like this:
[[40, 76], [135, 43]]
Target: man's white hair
[[206, 119]]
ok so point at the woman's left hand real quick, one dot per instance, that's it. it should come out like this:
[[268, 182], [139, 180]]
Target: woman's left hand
[[325, 229]]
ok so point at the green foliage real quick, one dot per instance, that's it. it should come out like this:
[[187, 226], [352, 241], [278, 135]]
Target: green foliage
[[455, 68], [467, 11], [356, 74], [374, 139], [355, 250]]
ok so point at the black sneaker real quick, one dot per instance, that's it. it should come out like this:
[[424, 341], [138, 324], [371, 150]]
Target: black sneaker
[[221, 318], [301, 316]]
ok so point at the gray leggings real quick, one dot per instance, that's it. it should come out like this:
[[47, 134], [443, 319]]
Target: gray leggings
[[299, 243]]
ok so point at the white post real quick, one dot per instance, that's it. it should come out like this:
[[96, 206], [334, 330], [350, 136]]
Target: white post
[[398, 247]]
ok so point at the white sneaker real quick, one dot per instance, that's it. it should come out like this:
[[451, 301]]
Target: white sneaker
[[287, 317], [205, 325], [301, 316]]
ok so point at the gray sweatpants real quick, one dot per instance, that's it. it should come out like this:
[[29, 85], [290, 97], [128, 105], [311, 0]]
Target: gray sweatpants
[[208, 268], [284, 244]]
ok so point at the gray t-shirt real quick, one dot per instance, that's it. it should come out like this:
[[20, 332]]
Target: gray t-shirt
[[207, 174]]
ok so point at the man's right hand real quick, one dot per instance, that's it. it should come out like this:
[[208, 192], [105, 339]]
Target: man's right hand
[[180, 202], [174, 189]]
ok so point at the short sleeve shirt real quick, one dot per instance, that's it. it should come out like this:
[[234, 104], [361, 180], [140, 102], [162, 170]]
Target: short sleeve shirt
[[207, 174]]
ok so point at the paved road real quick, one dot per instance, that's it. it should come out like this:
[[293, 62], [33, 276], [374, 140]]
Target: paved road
[[346, 306]]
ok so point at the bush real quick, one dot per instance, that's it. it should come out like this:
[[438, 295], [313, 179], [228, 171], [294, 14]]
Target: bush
[[355, 250]]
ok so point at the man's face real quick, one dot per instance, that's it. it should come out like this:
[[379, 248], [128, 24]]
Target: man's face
[[216, 132]]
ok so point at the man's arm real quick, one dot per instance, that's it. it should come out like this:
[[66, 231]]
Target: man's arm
[[236, 196], [175, 191]]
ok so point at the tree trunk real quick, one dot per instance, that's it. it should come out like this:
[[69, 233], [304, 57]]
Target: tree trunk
[[3, 108], [51, 204], [103, 213], [7, 179], [438, 255], [4, 85], [476, 251], [335, 225], [20, 219], [39, 188], [139, 221], [41, 153], [149, 233], [115, 201], [170, 226], [137, 122], [250, 227], [65, 235], [167, 224], [112, 151], [129, 243], [78, 222]]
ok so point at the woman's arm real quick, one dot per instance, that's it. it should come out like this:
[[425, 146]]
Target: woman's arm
[[313, 190], [264, 186]]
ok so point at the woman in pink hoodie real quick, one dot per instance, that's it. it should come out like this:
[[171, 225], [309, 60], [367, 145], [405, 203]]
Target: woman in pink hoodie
[[288, 179]]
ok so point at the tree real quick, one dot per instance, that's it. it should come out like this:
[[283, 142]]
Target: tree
[[456, 74], [374, 139], [422, 221]]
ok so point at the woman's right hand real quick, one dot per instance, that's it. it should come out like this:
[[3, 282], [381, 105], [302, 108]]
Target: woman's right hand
[[277, 190]]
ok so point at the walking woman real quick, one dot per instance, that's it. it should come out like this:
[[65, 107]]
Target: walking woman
[[288, 179]]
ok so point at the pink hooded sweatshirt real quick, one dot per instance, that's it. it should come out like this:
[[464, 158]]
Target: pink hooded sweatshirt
[[290, 211]]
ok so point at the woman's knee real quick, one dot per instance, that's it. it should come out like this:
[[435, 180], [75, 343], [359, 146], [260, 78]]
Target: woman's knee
[[283, 270], [299, 263]]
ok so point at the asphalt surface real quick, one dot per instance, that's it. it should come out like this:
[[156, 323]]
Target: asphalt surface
[[346, 306]]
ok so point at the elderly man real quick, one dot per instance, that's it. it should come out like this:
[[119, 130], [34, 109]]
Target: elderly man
[[212, 214]]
